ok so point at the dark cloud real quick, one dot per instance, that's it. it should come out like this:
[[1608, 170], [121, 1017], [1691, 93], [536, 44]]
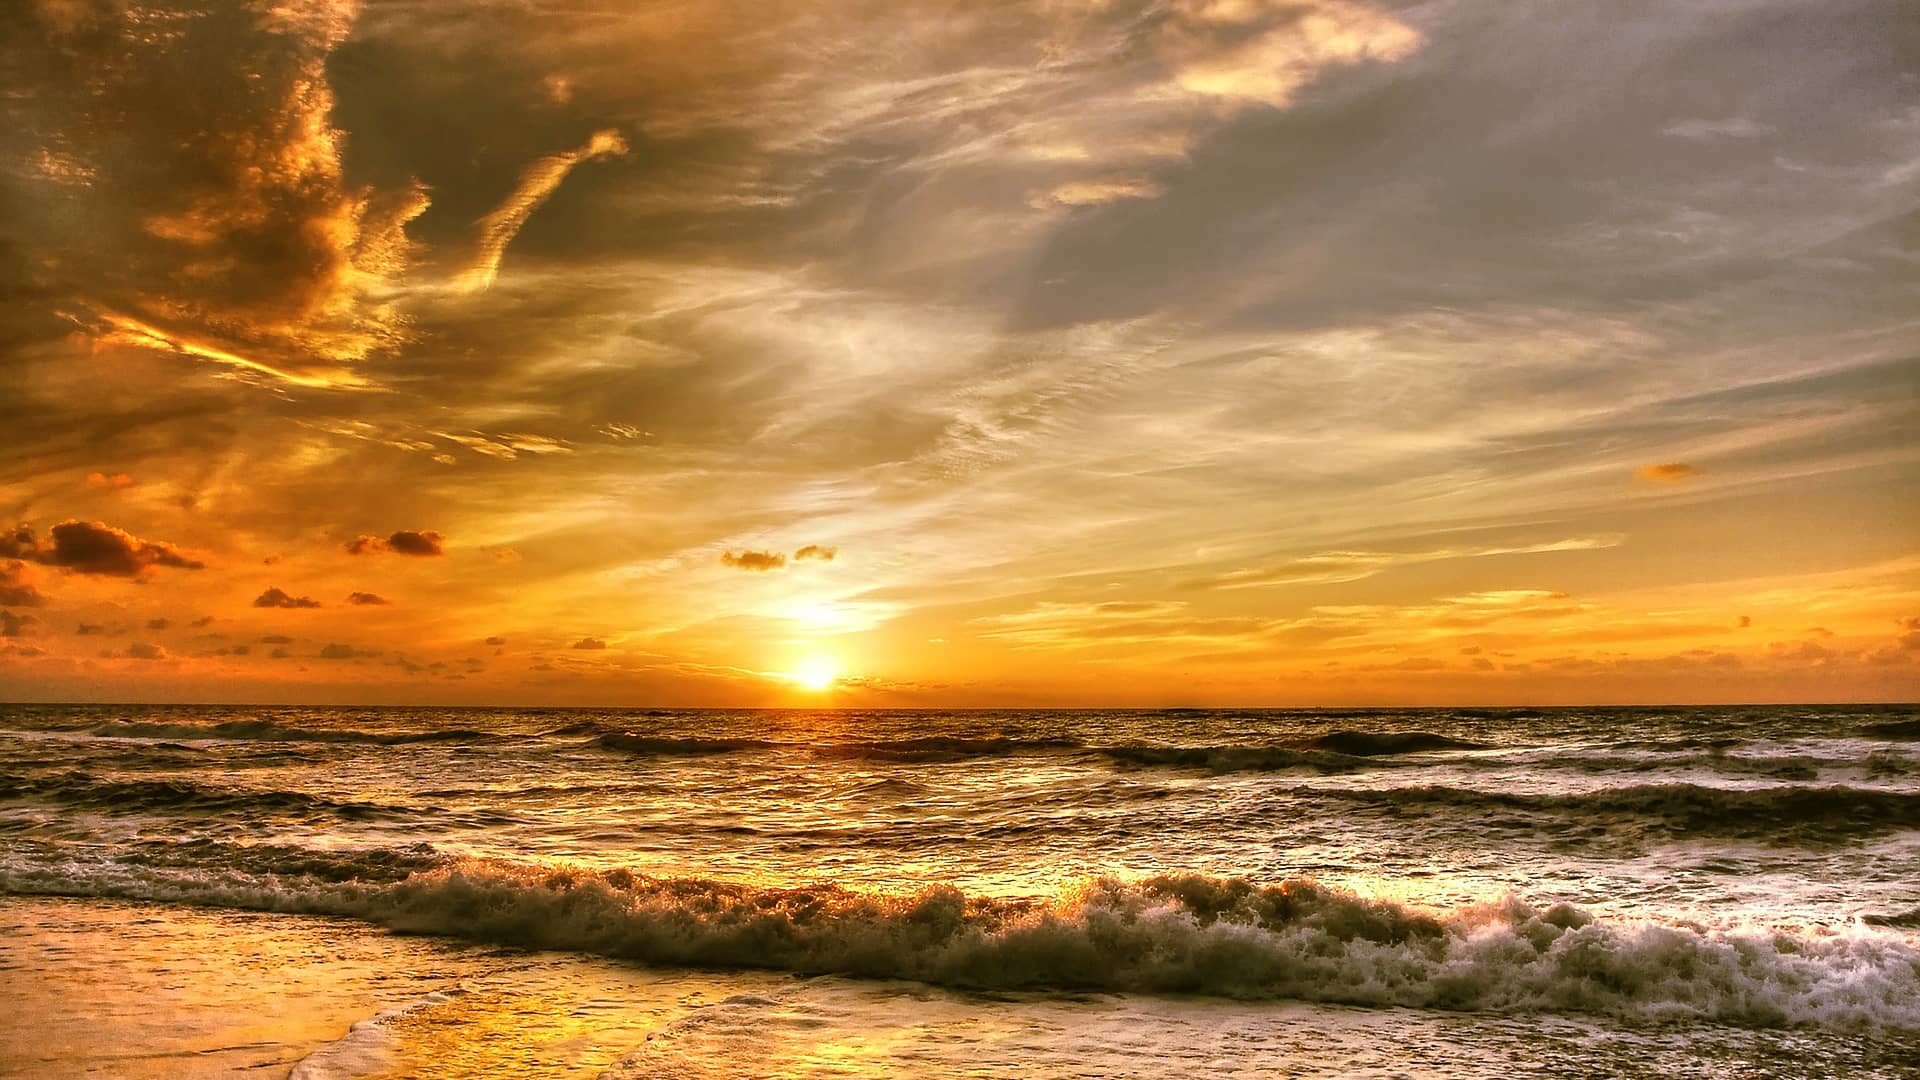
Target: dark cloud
[[816, 551], [93, 547], [90, 630], [159, 624], [337, 651], [141, 650], [496, 641], [276, 639], [204, 620], [192, 180], [277, 597], [758, 561], [424, 542], [367, 598], [17, 588], [12, 625], [589, 643]]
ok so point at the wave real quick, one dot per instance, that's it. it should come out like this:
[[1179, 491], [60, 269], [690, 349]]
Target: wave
[[664, 746], [268, 731], [1771, 813], [1179, 933], [940, 748], [1386, 743], [1894, 729], [1229, 759], [84, 790]]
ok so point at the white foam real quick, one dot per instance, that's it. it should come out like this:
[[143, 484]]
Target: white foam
[[367, 1049], [1177, 934]]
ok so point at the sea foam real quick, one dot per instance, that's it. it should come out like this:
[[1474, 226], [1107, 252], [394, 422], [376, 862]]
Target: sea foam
[[1182, 933]]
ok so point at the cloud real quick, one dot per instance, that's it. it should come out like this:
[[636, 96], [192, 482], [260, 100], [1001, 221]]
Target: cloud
[[496, 641], [205, 163], [277, 597], [93, 547], [815, 551], [337, 651], [106, 482], [204, 620], [1096, 192], [275, 639], [12, 625], [365, 598], [1340, 567], [421, 542], [1670, 472], [159, 624], [141, 650], [758, 561], [589, 643], [536, 185], [1263, 51], [17, 588]]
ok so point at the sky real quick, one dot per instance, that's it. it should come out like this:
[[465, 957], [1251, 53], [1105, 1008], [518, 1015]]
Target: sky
[[1019, 352]]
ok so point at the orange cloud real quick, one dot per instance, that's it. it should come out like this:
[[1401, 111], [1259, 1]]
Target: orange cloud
[[366, 598], [94, 547], [757, 561], [1671, 472], [107, 482], [589, 643], [421, 542], [17, 588], [816, 552], [277, 597], [537, 185]]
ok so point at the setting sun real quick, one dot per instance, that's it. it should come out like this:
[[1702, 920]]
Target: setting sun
[[816, 673]]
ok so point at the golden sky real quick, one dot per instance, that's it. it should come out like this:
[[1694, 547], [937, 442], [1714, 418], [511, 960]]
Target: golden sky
[[1068, 353]]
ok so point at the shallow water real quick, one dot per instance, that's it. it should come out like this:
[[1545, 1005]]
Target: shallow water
[[1422, 893]]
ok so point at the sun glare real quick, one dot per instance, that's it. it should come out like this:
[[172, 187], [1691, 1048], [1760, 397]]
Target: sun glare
[[816, 673]]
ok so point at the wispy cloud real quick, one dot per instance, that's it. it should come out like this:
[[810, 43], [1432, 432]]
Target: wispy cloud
[[537, 185]]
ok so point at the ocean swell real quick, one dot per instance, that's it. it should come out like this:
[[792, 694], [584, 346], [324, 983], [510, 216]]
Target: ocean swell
[[1770, 813], [1230, 759], [1180, 933], [268, 731], [87, 791]]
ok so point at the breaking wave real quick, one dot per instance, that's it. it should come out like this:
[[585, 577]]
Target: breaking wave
[[1179, 933]]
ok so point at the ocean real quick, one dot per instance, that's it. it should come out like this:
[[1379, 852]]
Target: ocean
[[355, 892]]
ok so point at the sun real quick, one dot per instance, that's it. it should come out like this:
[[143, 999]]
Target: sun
[[816, 673]]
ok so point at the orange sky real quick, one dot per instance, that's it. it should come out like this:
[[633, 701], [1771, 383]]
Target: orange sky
[[1204, 352]]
